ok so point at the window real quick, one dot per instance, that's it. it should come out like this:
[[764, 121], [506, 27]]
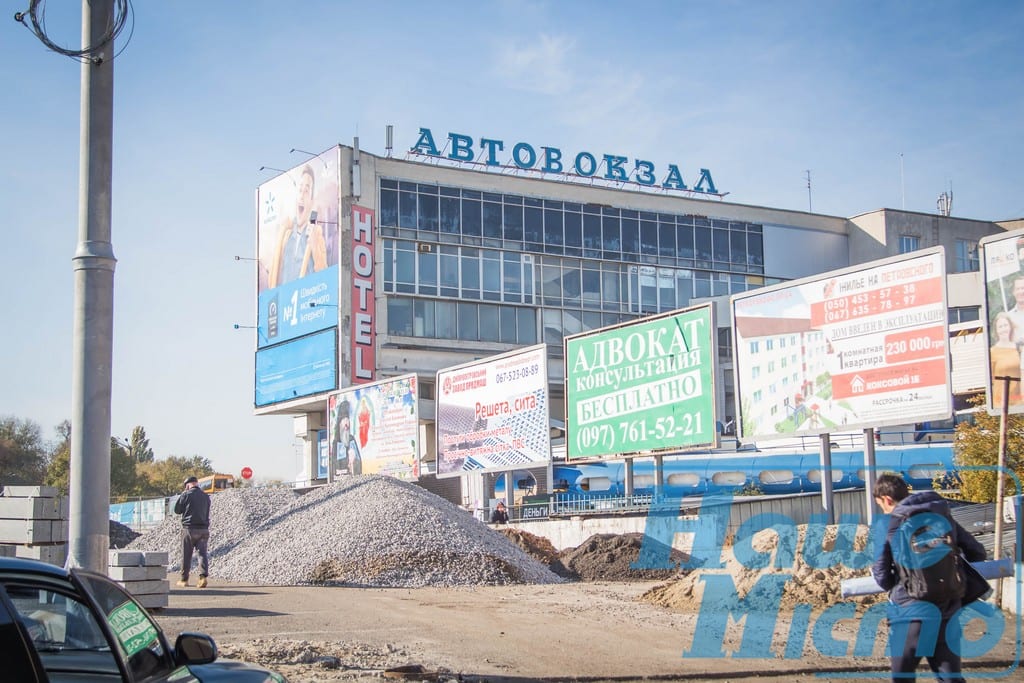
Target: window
[[964, 314], [909, 243], [966, 256]]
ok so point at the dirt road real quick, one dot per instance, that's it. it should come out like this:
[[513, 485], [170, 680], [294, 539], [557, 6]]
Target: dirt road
[[580, 631]]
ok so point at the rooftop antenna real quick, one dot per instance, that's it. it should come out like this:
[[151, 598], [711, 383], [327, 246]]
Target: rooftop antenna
[[809, 210], [945, 201], [389, 138], [903, 189]]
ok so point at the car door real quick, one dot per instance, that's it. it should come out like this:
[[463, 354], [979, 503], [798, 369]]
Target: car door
[[62, 631], [19, 661]]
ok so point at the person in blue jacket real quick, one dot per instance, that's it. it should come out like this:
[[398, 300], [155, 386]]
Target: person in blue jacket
[[907, 614]]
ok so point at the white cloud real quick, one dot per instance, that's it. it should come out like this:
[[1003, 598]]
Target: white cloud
[[539, 66]]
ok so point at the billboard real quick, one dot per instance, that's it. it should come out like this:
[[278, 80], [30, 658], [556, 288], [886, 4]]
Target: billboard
[[374, 429], [642, 386], [849, 349], [297, 368], [1003, 273], [298, 248], [492, 414]]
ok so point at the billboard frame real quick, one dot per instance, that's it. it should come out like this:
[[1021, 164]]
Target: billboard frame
[[993, 258], [637, 431], [740, 361], [487, 369]]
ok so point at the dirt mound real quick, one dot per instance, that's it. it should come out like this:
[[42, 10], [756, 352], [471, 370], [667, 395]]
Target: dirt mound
[[607, 557], [819, 586], [121, 535]]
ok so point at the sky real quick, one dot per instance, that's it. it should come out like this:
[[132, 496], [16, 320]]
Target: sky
[[886, 104]]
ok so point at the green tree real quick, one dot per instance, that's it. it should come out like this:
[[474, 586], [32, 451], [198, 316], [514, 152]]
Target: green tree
[[138, 446], [23, 454], [977, 444], [124, 481], [165, 477]]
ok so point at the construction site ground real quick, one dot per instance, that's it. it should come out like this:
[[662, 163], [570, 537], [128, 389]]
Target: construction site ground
[[595, 631]]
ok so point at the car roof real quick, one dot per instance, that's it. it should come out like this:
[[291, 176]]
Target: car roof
[[20, 564]]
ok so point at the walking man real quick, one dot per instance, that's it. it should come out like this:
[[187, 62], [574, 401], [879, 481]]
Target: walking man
[[925, 591], [194, 507]]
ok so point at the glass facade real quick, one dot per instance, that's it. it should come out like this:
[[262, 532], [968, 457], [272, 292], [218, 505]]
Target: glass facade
[[479, 266]]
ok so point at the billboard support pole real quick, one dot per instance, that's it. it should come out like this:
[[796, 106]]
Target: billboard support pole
[[1004, 418], [659, 478], [869, 478], [826, 478], [629, 481]]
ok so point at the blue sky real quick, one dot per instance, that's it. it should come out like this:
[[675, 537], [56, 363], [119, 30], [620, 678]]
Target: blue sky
[[206, 93]]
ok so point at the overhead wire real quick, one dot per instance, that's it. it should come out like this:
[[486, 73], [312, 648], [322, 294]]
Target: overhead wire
[[36, 23]]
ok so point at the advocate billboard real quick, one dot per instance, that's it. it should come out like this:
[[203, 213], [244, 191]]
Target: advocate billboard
[[374, 429], [1003, 273], [492, 414], [849, 349], [298, 248], [643, 386]]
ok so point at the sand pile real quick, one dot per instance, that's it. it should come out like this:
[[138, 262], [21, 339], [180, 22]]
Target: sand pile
[[814, 585]]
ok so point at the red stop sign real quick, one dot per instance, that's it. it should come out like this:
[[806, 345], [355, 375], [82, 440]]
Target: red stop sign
[[246, 473]]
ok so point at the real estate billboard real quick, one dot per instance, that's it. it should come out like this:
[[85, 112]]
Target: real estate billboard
[[853, 348], [644, 386], [493, 414], [1003, 273], [374, 429]]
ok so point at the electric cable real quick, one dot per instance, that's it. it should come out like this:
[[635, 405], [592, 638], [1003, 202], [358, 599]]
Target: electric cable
[[36, 16]]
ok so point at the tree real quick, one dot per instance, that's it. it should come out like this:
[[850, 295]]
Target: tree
[[138, 446], [124, 481], [977, 446], [23, 454], [165, 477]]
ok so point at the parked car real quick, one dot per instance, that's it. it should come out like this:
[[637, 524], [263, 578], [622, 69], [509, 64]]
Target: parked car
[[74, 625]]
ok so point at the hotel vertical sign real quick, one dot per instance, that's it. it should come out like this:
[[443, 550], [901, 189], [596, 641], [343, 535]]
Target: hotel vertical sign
[[364, 361]]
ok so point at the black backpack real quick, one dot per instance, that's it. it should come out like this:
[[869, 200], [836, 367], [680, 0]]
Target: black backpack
[[927, 558]]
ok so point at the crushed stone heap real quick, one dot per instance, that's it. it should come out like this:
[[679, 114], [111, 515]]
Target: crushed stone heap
[[365, 530]]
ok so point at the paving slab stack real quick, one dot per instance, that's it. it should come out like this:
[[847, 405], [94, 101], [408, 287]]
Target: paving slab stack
[[143, 574], [33, 523]]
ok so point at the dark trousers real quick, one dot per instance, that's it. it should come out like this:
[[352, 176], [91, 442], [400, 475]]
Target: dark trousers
[[943, 661], [194, 539]]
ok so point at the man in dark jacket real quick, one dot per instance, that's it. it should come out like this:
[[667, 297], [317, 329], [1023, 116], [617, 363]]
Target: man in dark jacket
[[194, 507], [908, 615]]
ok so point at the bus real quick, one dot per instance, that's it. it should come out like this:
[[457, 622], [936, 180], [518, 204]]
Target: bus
[[216, 482]]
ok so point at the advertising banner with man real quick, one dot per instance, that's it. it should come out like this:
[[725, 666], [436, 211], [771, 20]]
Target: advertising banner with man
[[492, 415], [1003, 272], [850, 349], [298, 250], [374, 429], [643, 386]]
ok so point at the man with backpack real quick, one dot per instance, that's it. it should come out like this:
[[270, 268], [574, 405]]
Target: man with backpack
[[920, 564]]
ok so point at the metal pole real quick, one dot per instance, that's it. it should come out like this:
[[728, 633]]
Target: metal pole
[[93, 267], [1000, 483], [826, 479], [871, 475]]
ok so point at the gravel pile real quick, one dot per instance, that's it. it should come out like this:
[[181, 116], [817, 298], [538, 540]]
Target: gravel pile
[[366, 530]]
